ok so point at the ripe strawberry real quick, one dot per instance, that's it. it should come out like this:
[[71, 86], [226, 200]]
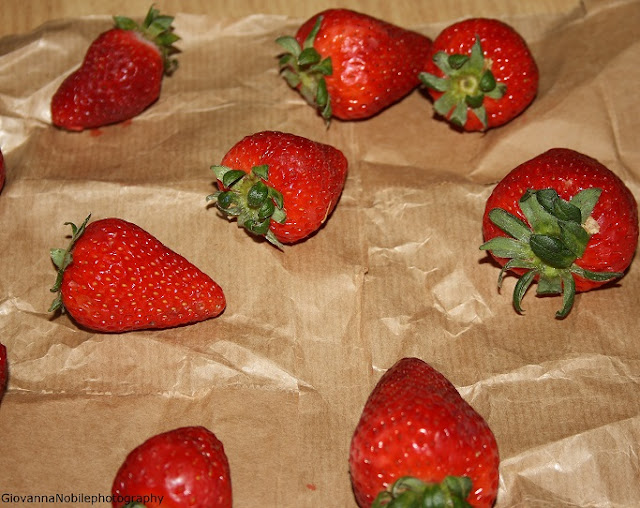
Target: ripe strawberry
[[3, 369], [184, 467], [351, 65], [116, 277], [563, 219], [120, 76], [280, 185], [481, 74], [418, 438]]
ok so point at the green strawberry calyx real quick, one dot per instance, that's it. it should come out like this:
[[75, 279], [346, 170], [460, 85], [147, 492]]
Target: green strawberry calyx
[[304, 69], [62, 258], [409, 492], [467, 81], [248, 198], [548, 247], [156, 28]]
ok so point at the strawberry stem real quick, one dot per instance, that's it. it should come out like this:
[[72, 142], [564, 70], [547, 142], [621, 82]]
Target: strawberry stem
[[156, 28], [304, 69], [467, 81], [409, 492], [549, 246], [247, 197], [62, 258]]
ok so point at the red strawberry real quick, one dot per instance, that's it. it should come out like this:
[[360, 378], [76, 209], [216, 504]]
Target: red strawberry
[[563, 219], [418, 438], [116, 277], [2, 171], [481, 74], [184, 467], [3, 369], [351, 65], [280, 185], [120, 76]]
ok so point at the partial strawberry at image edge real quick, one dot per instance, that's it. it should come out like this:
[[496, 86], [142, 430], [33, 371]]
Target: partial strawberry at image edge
[[2, 171], [419, 443], [116, 277], [120, 76], [181, 467], [573, 229], [3, 370]]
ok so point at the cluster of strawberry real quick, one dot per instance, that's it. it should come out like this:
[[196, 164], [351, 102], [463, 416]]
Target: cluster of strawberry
[[561, 219]]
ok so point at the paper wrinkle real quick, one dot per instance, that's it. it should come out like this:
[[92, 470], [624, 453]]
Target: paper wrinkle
[[575, 469], [575, 367], [457, 297], [12, 304]]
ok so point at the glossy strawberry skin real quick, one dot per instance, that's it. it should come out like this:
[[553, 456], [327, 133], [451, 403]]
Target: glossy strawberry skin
[[415, 423], [611, 249], [3, 369], [186, 467], [375, 63], [512, 65], [121, 75], [310, 176], [122, 279]]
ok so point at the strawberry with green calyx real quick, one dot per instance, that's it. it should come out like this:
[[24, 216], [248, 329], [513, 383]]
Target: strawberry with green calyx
[[419, 443], [155, 28], [481, 74], [350, 65], [279, 185], [304, 69], [116, 277], [250, 200], [468, 81], [574, 228], [120, 76]]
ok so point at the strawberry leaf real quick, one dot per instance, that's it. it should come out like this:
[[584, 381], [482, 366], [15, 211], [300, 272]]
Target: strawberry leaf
[[290, 45], [410, 492], [304, 69], [62, 258], [465, 82], [248, 198], [586, 200], [156, 28]]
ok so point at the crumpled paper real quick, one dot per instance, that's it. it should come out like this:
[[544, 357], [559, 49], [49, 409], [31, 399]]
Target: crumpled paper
[[282, 375]]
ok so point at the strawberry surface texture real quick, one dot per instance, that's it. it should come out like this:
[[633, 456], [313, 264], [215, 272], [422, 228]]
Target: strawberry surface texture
[[280, 185], [120, 76], [185, 467], [417, 434], [116, 277], [563, 219], [350, 65], [480, 73]]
